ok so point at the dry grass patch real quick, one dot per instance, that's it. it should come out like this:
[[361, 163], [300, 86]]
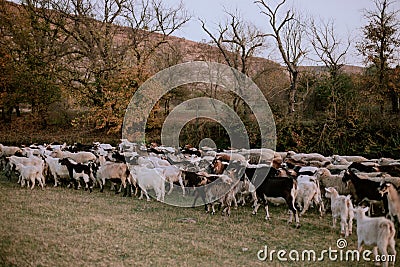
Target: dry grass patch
[[66, 227]]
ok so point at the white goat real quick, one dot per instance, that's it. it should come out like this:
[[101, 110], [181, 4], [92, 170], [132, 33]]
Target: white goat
[[149, 179], [377, 231], [342, 208], [8, 150], [308, 191], [80, 157], [31, 161], [29, 174], [56, 169], [172, 174]]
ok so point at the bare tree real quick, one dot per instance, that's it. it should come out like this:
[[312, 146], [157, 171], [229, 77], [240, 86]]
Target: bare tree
[[237, 41], [150, 23], [288, 34], [331, 51]]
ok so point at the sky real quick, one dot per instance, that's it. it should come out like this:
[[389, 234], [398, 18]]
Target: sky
[[347, 16]]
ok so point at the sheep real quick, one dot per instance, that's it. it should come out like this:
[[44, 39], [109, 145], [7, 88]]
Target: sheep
[[378, 232], [29, 174], [263, 155], [145, 162], [149, 179], [157, 162], [342, 208], [385, 178], [231, 157], [349, 159], [80, 157], [308, 157]]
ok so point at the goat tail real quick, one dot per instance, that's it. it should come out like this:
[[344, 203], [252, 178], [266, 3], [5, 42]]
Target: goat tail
[[387, 227]]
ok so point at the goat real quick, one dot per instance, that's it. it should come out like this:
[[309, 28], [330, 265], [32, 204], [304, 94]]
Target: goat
[[29, 174], [308, 191], [6, 151], [114, 172], [149, 179], [173, 175], [56, 169], [31, 161], [365, 189], [393, 198], [378, 232], [271, 186], [79, 157], [222, 191], [342, 208], [79, 171]]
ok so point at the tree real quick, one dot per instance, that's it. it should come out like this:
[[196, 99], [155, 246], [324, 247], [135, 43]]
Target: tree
[[238, 41], [331, 52], [288, 34], [106, 40], [31, 44], [381, 39]]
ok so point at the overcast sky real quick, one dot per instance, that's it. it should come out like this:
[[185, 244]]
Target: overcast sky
[[347, 16]]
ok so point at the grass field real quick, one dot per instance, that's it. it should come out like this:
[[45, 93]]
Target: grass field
[[66, 227]]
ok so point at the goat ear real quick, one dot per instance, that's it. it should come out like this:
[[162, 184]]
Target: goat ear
[[327, 189], [365, 209]]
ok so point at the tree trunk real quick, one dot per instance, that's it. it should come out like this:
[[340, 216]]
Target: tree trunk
[[292, 92], [17, 110], [395, 102]]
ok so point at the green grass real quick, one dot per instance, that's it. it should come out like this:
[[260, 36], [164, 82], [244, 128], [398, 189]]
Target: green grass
[[66, 227]]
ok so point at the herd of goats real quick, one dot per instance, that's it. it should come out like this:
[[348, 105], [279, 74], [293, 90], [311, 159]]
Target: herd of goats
[[229, 178]]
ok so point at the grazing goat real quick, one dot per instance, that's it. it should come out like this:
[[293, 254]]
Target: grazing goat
[[378, 232], [342, 208]]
